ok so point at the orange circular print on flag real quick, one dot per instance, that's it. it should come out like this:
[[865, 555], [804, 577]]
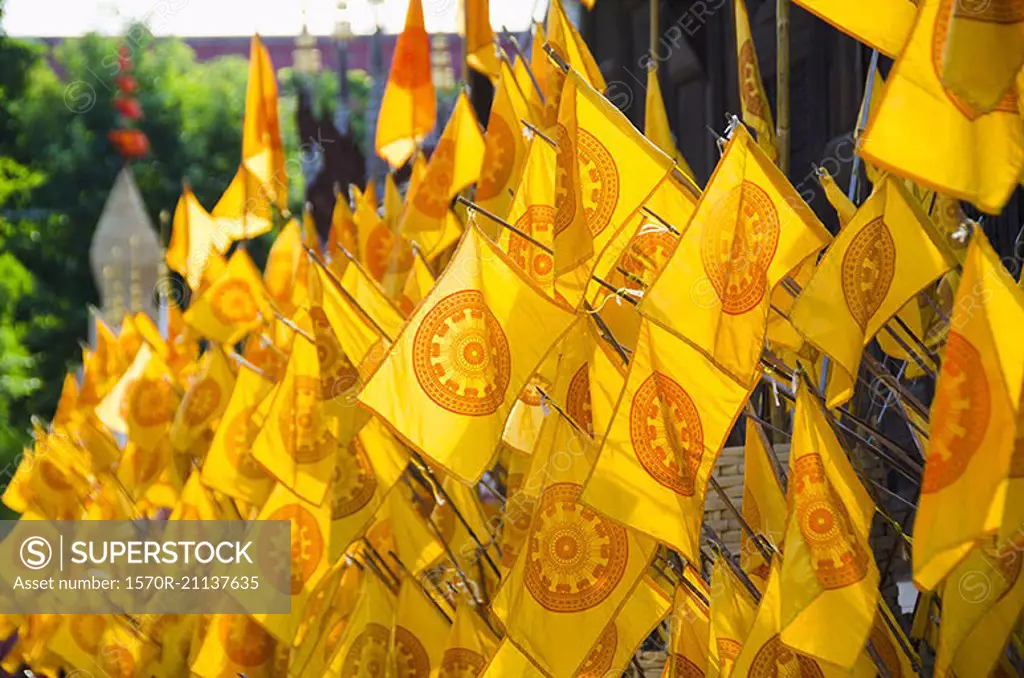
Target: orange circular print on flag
[[737, 247], [775, 660], [241, 430], [837, 555], [961, 410], [750, 87], [728, 649], [666, 432], [577, 401], [307, 545], [575, 557], [354, 480], [972, 10], [531, 393], [411, 658], [410, 63], [600, 193], [52, 475], [647, 254], [599, 661], [368, 656], [432, 195], [244, 641], [869, 266], [458, 662], [885, 649], [499, 158], [116, 660], [385, 253], [337, 374], [305, 439], [461, 357], [150, 402], [202, 401], [538, 264], [684, 668], [233, 303], [86, 630]]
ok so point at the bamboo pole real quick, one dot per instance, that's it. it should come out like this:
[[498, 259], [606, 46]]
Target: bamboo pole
[[782, 82]]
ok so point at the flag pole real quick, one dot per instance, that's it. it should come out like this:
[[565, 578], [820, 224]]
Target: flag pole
[[655, 25], [782, 82]]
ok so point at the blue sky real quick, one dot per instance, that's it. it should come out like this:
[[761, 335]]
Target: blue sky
[[241, 17]]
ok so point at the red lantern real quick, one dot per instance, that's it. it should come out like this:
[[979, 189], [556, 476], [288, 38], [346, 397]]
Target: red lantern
[[130, 143], [128, 107]]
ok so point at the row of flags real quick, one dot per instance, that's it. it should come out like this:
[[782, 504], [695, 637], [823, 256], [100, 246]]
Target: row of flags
[[492, 406]]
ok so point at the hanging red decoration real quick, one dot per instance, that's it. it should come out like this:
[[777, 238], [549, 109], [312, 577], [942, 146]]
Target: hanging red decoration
[[129, 141]]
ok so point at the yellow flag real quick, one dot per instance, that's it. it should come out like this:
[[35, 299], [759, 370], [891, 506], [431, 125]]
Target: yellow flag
[[828, 577], [639, 616], [518, 514], [344, 232], [325, 618], [469, 349], [194, 234], [409, 108], [230, 467], [983, 52], [233, 644], [76, 639], [509, 660], [401, 528], [844, 207], [386, 256], [888, 234], [892, 650], [571, 47], [764, 506], [671, 423], [969, 154], [532, 212], [368, 296], [233, 306], [361, 651], [418, 283], [757, 111], [297, 443], [470, 644], [882, 24], [143, 403], [749, 231], [243, 210], [286, 271], [454, 533], [262, 152], [603, 158], [656, 125], [481, 50], [394, 204], [505, 152], [454, 165], [361, 340], [420, 633], [690, 647], [973, 417], [732, 615], [204, 402]]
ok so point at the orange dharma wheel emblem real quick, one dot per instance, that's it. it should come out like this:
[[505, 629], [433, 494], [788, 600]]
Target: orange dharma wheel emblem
[[337, 373], [233, 302], [684, 668], [307, 548], [431, 197], [306, 440], [647, 254], [577, 401], [963, 405], [410, 65], [598, 662], [869, 266], [461, 357], [385, 253], [750, 87], [459, 662], [737, 247], [239, 433], [411, 658], [667, 434], [838, 557], [354, 481], [885, 649], [501, 159], [538, 221], [202, 401], [728, 649], [599, 194], [576, 557], [150, 402], [368, 656], [245, 642], [775, 659]]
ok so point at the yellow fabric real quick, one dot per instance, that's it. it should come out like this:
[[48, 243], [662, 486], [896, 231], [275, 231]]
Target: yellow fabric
[[250, 649], [637, 619], [373, 301], [285, 275], [570, 45], [297, 443], [470, 644], [925, 133], [656, 125], [508, 660], [204, 402], [671, 422], [887, 236], [417, 285], [716, 287], [229, 466], [233, 306], [243, 210], [756, 109], [194, 234], [763, 505], [409, 108], [690, 647], [325, 618], [973, 417], [845, 209], [882, 24], [343, 233], [394, 204], [454, 533], [828, 577], [262, 152], [420, 632], [595, 200], [415, 543], [983, 52], [888, 647], [461, 432], [505, 152], [732, 615], [362, 649], [454, 165], [532, 211], [143, 402], [481, 50]]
